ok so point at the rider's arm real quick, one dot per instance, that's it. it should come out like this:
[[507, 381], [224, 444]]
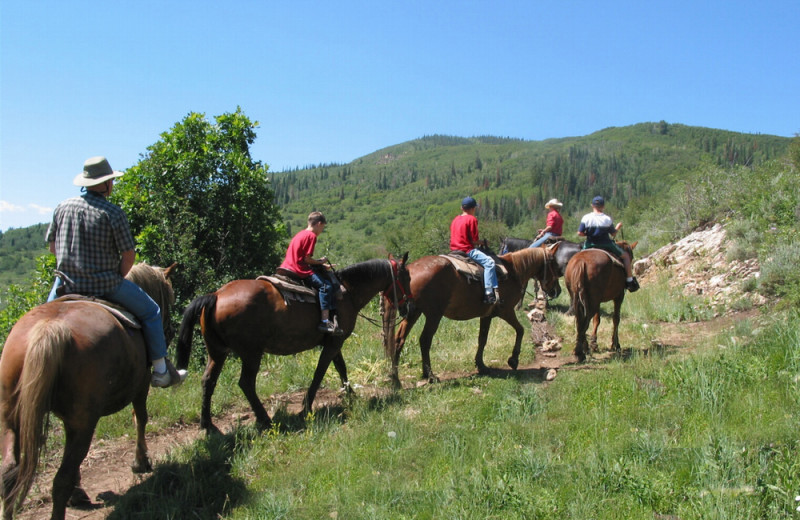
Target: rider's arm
[[53, 247], [128, 257], [313, 261]]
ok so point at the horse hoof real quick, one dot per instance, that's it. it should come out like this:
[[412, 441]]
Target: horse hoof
[[144, 467], [513, 363], [433, 379], [79, 498]]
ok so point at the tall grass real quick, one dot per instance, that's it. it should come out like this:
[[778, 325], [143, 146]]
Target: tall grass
[[710, 435]]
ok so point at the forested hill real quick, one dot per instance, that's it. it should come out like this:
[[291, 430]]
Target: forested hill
[[404, 196]]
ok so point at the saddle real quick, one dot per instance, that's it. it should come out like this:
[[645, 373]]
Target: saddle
[[294, 289], [125, 317], [470, 269]]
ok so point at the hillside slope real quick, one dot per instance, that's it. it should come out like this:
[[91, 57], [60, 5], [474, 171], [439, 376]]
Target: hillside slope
[[409, 192]]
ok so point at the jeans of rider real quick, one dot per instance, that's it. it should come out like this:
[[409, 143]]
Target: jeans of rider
[[326, 289], [489, 274], [139, 303], [54, 291], [537, 243]]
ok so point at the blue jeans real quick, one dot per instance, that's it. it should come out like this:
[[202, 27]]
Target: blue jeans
[[489, 274], [537, 243], [326, 289], [139, 303]]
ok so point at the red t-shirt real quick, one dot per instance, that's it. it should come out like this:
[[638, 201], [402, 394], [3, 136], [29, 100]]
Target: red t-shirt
[[301, 246], [463, 233], [556, 223]]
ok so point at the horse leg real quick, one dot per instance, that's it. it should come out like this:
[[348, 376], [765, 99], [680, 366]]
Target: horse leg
[[8, 469], [341, 369], [141, 463], [593, 337], [209, 382], [425, 341], [483, 335], [67, 477], [328, 354], [400, 340], [581, 325], [247, 382], [615, 334], [511, 319]]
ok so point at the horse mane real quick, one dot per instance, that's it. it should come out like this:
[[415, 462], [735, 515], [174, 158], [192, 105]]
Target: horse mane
[[525, 260], [363, 270], [153, 281]]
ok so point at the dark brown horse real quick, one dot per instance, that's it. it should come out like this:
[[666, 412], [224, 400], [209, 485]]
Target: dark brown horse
[[74, 359], [592, 277], [439, 290], [250, 317]]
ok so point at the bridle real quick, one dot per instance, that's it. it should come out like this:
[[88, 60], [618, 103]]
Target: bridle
[[396, 286]]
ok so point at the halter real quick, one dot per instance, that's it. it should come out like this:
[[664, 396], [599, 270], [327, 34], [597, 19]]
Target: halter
[[395, 285], [548, 260]]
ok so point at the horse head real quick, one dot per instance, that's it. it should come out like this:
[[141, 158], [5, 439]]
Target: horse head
[[628, 248], [399, 292], [155, 281], [549, 281]]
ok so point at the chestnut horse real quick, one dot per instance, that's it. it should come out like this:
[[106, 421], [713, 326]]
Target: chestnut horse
[[592, 278], [439, 290], [74, 359], [250, 317]]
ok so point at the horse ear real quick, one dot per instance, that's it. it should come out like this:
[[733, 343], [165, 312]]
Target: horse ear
[[634, 245], [405, 257], [168, 270]]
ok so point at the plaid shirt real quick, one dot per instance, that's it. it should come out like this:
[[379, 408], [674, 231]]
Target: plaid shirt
[[90, 234]]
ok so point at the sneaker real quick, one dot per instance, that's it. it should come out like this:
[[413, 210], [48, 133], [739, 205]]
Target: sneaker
[[632, 286], [171, 377], [329, 327]]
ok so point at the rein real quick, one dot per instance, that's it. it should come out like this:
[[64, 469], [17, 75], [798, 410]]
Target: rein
[[393, 269]]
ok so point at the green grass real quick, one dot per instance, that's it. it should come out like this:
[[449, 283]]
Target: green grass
[[707, 435]]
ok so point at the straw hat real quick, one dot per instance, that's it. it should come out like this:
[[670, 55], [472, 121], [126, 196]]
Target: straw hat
[[553, 203], [96, 170]]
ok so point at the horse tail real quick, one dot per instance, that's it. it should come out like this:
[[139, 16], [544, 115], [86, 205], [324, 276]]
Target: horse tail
[[388, 315], [581, 287], [206, 303], [47, 345]]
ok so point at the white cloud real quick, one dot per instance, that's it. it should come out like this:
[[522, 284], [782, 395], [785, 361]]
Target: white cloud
[[40, 210], [8, 207]]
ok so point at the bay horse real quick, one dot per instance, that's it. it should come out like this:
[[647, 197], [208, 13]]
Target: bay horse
[[439, 290], [592, 277], [250, 318], [75, 359]]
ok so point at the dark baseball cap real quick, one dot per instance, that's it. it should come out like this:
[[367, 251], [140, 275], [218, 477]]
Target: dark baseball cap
[[598, 201]]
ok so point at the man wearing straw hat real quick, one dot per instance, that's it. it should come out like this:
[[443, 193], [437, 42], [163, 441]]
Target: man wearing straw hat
[[94, 251], [554, 225]]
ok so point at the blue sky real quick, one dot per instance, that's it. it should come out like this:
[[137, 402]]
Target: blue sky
[[333, 81]]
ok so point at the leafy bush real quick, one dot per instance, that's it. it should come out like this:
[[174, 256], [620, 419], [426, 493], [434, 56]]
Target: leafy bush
[[19, 299]]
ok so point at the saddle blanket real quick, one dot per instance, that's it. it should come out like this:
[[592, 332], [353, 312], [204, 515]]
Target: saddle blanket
[[614, 258], [123, 315], [472, 270]]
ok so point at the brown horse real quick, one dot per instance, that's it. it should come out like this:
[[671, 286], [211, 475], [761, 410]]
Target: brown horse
[[250, 317], [439, 290], [76, 360], [592, 278]]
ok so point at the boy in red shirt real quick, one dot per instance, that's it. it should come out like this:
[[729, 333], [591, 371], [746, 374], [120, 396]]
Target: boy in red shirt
[[464, 237], [299, 260]]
